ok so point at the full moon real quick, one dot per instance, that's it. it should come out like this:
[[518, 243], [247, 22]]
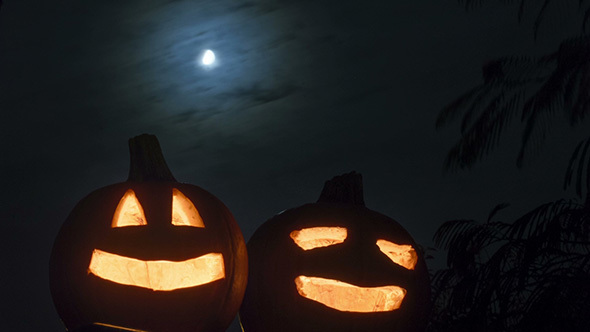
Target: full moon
[[208, 58]]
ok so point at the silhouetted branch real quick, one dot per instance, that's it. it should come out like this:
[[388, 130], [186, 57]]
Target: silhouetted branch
[[539, 9], [502, 275], [534, 90]]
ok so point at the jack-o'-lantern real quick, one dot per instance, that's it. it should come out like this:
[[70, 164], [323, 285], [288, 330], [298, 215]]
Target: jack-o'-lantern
[[149, 254], [335, 265]]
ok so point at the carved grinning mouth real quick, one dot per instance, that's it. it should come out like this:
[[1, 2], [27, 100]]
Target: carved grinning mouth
[[347, 297], [157, 275]]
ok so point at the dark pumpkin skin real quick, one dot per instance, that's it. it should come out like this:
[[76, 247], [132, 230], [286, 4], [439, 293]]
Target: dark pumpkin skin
[[81, 298], [272, 303]]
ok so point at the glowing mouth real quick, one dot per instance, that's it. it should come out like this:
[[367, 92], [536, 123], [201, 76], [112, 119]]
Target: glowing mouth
[[158, 275], [346, 297]]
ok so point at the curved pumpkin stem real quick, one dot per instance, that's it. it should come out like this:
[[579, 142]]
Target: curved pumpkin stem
[[147, 162], [344, 189]]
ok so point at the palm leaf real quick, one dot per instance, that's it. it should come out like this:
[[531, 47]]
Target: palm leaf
[[577, 164], [484, 134], [497, 209], [536, 89], [539, 18], [533, 223], [502, 275], [586, 19], [453, 109]]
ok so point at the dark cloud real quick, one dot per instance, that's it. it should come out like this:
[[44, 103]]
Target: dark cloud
[[255, 95]]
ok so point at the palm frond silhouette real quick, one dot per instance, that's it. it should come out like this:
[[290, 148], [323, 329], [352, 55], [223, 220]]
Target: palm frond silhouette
[[578, 171], [538, 10], [535, 90], [529, 275]]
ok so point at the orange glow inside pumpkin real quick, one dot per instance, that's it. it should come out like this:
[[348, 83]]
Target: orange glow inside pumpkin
[[184, 212], [129, 212], [401, 254], [346, 297], [316, 237], [158, 275], [118, 327]]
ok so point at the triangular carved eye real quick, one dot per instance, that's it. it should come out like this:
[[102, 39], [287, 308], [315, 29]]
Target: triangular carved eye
[[129, 212], [184, 212]]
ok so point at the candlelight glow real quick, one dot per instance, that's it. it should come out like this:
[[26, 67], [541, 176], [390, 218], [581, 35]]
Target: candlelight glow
[[401, 254], [118, 327], [129, 212], [316, 237], [184, 212], [346, 297], [157, 275]]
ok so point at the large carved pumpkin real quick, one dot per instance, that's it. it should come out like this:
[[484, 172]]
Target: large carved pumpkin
[[149, 254], [335, 266]]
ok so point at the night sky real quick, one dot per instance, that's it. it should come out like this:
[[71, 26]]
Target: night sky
[[302, 91]]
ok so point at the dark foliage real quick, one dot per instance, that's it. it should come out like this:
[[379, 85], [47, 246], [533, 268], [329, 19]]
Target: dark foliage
[[578, 171], [534, 90], [537, 10], [529, 275]]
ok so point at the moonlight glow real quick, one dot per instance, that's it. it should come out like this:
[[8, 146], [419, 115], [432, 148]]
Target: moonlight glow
[[208, 58]]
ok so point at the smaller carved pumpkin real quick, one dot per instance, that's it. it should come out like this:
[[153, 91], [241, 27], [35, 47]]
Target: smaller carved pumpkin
[[335, 266]]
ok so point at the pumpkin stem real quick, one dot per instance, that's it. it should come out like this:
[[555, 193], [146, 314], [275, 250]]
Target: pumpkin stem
[[344, 189], [147, 162]]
